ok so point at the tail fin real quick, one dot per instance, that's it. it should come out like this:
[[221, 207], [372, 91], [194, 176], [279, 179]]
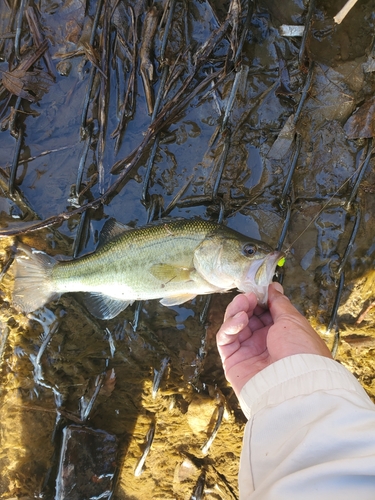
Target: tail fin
[[33, 286]]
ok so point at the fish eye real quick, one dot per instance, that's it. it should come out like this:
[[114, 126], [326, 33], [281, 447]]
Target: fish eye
[[249, 249]]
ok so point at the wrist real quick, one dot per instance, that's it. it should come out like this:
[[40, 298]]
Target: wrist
[[293, 376], [240, 374]]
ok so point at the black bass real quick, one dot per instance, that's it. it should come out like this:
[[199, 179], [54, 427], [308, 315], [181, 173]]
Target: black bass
[[173, 261]]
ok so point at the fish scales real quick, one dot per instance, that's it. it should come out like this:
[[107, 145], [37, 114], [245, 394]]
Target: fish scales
[[125, 261], [173, 261]]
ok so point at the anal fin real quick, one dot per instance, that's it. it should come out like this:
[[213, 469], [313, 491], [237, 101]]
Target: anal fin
[[104, 307]]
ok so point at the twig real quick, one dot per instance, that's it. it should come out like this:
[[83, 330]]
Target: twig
[[16, 157], [245, 29], [363, 314], [222, 163], [45, 153], [291, 169], [150, 26], [164, 119], [304, 93], [332, 322], [169, 112], [210, 440], [149, 439], [186, 35], [351, 240], [74, 200], [159, 95], [344, 11], [103, 97], [166, 116], [369, 152], [98, 11], [150, 163], [19, 29], [86, 102], [166, 29], [158, 375], [126, 110], [232, 96], [90, 84], [38, 37], [178, 196], [302, 49]]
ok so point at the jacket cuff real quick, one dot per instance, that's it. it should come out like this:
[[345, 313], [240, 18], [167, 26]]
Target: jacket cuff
[[296, 375]]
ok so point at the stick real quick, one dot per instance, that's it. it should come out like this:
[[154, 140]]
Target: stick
[[342, 14]]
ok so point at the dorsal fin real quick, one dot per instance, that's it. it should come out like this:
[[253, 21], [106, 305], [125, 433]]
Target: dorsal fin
[[164, 220], [110, 230]]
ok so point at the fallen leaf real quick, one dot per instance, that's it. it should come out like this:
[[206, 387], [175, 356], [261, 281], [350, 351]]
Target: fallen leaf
[[361, 125], [30, 85]]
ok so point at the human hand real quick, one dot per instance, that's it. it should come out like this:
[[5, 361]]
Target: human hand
[[251, 338]]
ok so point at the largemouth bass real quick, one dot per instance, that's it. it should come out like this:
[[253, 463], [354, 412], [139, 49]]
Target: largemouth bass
[[172, 261]]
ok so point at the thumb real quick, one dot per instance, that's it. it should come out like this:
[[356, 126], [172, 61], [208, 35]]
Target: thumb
[[279, 305], [302, 338]]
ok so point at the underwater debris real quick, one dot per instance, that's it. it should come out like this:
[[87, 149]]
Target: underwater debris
[[158, 375], [87, 463], [340, 16], [210, 440], [148, 443]]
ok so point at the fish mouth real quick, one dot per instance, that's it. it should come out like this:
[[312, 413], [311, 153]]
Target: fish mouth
[[260, 274], [265, 277]]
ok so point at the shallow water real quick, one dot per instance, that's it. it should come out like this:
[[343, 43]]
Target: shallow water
[[41, 374]]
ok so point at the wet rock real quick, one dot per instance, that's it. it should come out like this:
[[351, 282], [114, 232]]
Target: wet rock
[[64, 68], [185, 477], [184, 471], [200, 412]]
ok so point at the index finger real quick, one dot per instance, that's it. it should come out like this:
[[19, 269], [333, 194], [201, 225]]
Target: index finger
[[241, 302], [229, 330]]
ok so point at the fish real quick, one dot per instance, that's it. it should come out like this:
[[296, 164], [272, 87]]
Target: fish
[[173, 260]]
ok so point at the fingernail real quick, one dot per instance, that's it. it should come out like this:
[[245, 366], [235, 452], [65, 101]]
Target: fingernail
[[278, 287], [237, 315]]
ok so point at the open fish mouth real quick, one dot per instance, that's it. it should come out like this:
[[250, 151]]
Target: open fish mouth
[[274, 265], [260, 274], [279, 269]]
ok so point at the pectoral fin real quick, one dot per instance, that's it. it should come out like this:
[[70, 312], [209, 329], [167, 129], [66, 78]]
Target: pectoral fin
[[167, 273], [177, 299], [104, 307]]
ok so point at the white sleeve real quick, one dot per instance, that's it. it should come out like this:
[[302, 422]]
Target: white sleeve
[[310, 433]]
